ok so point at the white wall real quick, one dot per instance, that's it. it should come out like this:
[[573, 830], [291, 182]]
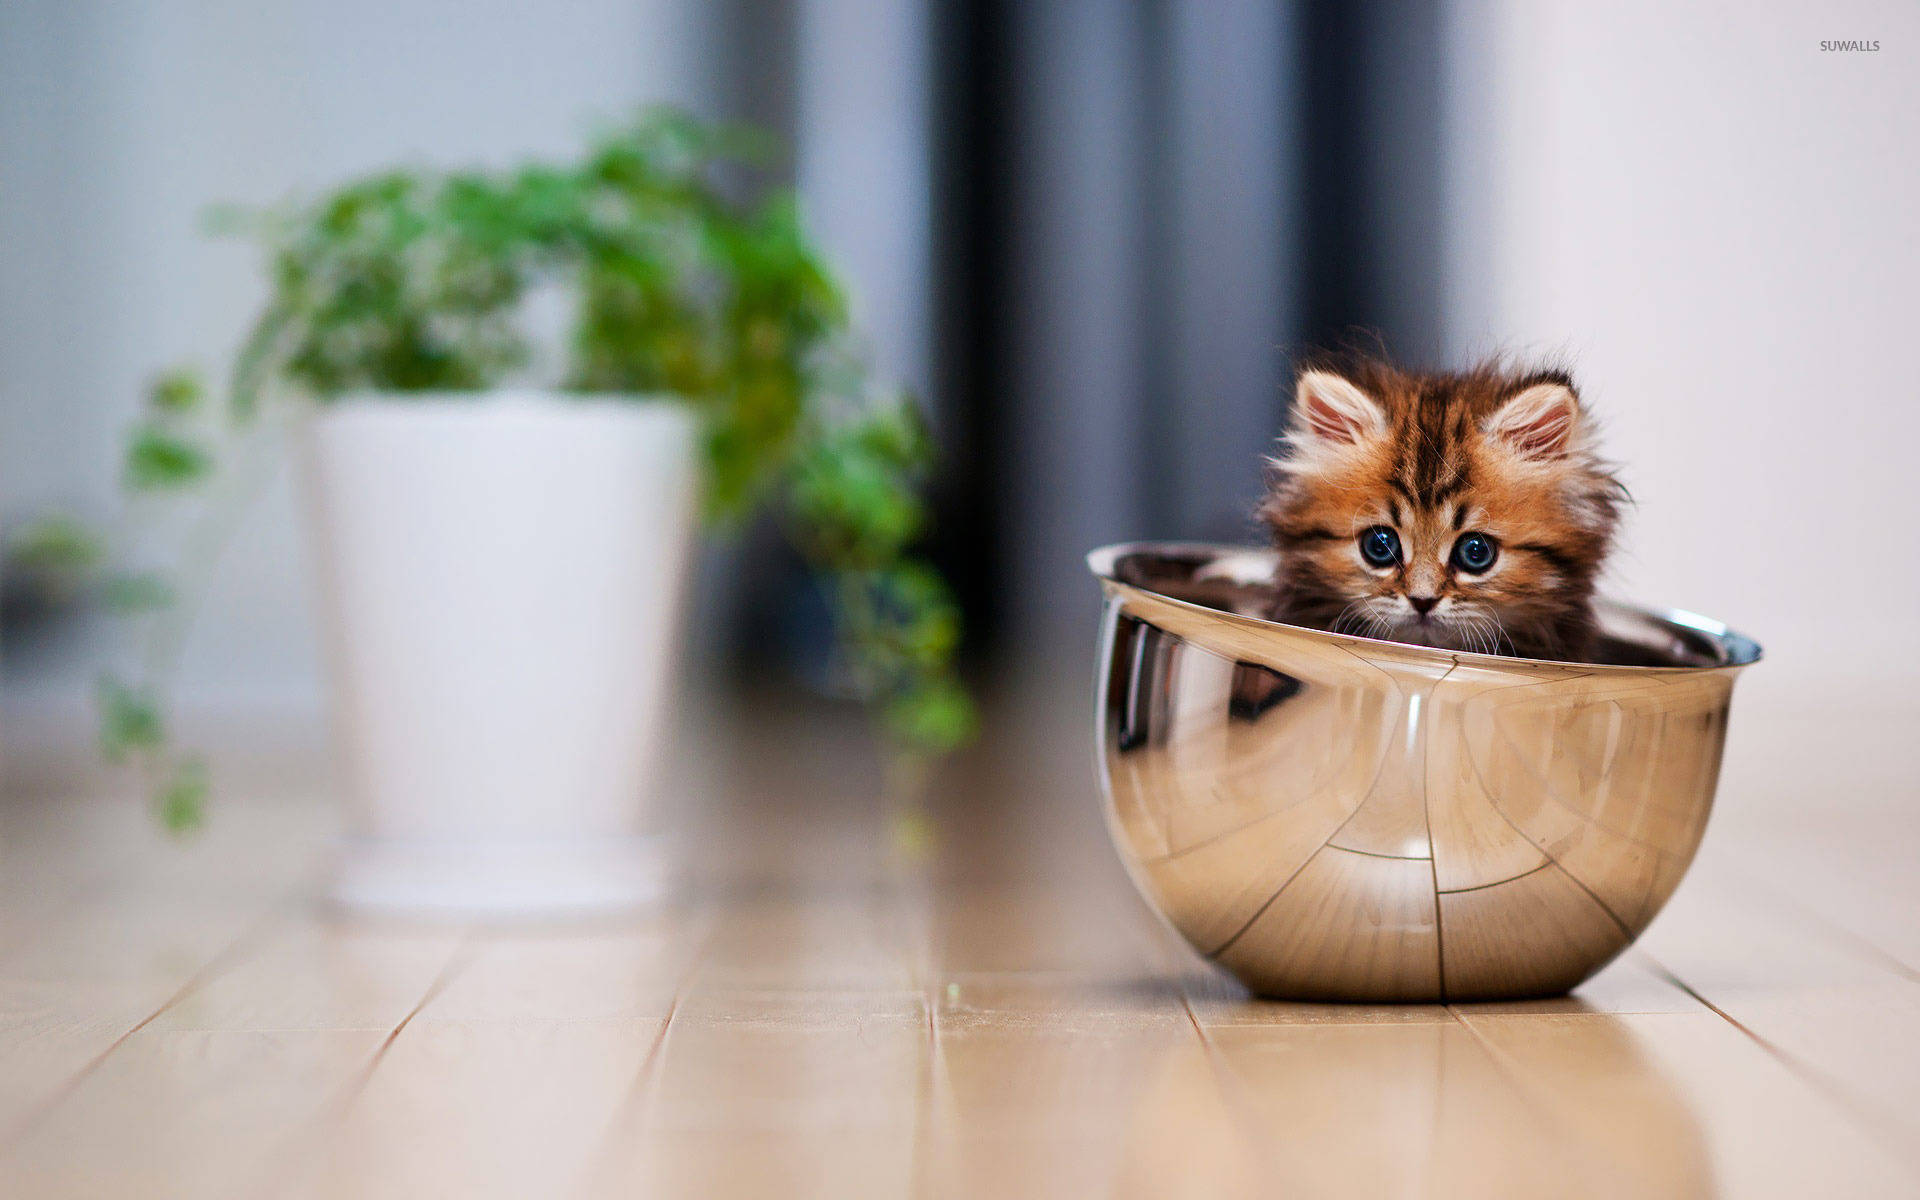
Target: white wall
[[120, 122], [1718, 222]]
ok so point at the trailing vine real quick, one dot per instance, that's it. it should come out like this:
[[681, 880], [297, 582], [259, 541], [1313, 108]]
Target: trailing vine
[[417, 281]]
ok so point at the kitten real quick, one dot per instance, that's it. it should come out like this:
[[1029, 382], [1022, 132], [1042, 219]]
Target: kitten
[[1467, 511]]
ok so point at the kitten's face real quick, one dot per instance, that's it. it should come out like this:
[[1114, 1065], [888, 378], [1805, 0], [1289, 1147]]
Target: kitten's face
[[1458, 511]]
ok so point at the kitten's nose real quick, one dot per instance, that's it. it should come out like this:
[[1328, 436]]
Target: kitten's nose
[[1423, 604]]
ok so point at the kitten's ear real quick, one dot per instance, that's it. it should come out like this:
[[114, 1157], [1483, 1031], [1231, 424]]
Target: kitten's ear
[[1329, 409], [1540, 422]]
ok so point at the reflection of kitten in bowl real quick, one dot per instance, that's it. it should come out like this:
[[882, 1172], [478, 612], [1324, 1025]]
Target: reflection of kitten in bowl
[[1466, 510]]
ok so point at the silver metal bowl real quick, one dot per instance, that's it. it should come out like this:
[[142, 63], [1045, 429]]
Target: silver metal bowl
[[1338, 818]]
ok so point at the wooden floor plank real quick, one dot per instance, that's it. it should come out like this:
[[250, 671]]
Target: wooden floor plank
[[1848, 1023], [799, 1092], [1820, 805], [51, 1031], [473, 1109], [600, 973], [542, 1034], [826, 936], [105, 922], [1684, 1104], [1630, 984], [319, 971], [1389, 1108], [194, 1096], [91, 976], [185, 1113], [1055, 1084]]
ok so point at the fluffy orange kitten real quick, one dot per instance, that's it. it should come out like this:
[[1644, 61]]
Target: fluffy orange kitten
[[1466, 510]]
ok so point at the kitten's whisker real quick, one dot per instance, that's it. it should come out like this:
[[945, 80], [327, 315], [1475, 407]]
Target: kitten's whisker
[[1470, 633], [1472, 627], [1486, 630], [1467, 633], [1354, 608], [1486, 627]]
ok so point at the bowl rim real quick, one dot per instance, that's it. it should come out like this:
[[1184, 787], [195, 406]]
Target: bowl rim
[[1736, 650]]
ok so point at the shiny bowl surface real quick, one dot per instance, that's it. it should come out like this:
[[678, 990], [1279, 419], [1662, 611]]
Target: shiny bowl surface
[[1340, 818]]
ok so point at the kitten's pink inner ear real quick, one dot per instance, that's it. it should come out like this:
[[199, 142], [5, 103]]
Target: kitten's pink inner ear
[[1539, 422], [1333, 410]]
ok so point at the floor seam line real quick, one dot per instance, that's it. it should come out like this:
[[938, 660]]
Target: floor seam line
[[207, 973], [1880, 1128], [1224, 1079], [596, 1164], [1503, 1067]]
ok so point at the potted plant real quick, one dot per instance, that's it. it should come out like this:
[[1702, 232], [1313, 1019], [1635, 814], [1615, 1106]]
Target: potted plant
[[502, 557]]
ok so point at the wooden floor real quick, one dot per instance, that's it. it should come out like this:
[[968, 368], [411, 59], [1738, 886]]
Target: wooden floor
[[969, 1003]]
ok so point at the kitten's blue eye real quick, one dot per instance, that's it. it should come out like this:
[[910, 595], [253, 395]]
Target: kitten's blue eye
[[1380, 546], [1474, 553]]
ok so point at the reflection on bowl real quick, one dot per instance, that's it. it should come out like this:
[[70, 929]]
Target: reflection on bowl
[[1338, 818]]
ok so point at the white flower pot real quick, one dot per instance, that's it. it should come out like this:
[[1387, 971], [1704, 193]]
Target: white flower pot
[[501, 580]]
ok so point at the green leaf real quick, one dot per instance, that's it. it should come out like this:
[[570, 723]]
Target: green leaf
[[856, 508], [159, 460], [129, 722], [181, 798], [56, 543], [935, 717], [897, 435], [255, 363], [145, 591], [178, 391], [918, 615]]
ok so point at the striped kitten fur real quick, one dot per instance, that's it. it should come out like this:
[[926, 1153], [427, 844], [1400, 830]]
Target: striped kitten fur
[[1464, 510]]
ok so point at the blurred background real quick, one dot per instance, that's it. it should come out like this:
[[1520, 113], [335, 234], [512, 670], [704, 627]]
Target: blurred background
[[1093, 236]]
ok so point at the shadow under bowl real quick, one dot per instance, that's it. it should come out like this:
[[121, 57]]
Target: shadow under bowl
[[1339, 818]]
